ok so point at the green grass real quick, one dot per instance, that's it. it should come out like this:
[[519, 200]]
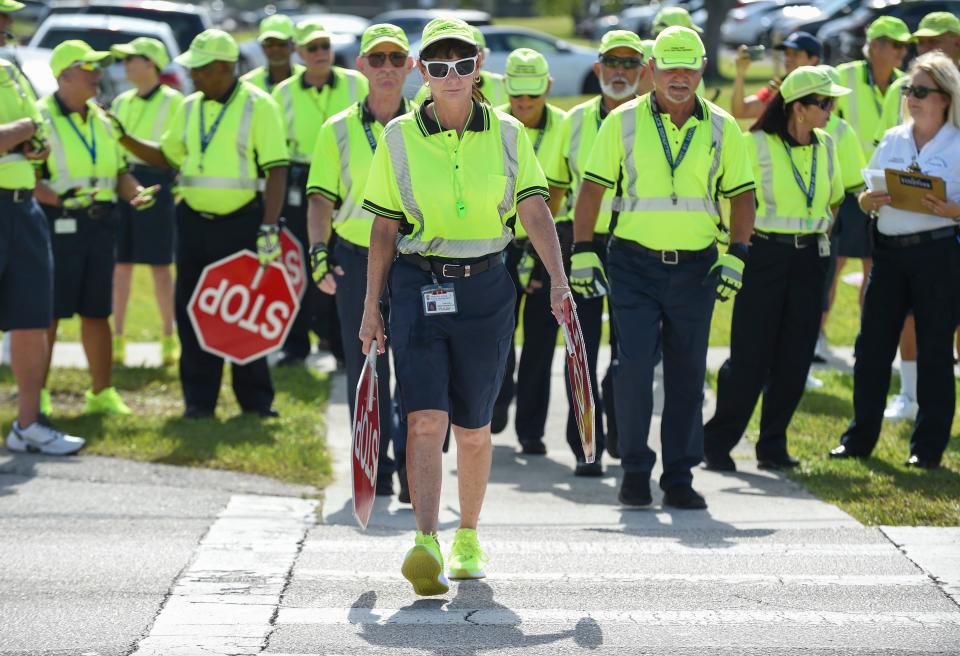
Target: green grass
[[291, 448], [880, 490]]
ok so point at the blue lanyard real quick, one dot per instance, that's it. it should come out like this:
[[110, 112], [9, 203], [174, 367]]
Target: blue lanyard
[[812, 190], [91, 147], [370, 138], [665, 143], [207, 137]]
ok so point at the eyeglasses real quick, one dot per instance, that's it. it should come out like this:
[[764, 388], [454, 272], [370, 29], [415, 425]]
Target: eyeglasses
[[528, 96], [378, 59], [441, 69], [920, 92], [323, 45], [899, 45], [612, 61], [88, 66], [826, 104]]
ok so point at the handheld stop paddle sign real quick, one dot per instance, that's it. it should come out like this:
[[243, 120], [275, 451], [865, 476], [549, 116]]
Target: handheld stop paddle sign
[[578, 377], [366, 439]]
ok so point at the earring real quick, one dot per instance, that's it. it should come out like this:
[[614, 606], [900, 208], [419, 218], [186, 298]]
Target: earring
[[476, 79], [426, 83]]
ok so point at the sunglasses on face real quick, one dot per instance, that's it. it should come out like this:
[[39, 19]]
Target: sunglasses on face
[[323, 45], [919, 91], [521, 96], [378, 59], [899, 45], [826, 104], [441, 69], [612, 61]]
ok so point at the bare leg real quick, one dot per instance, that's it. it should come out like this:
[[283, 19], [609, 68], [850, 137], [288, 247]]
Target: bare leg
[[908, 340], [122, 277], [474, 457], [98, 347], [163, 290], [426, 430], [28, 355], [51, 340]]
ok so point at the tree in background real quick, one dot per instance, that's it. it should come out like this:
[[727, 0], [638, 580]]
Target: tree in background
[[718, 10]]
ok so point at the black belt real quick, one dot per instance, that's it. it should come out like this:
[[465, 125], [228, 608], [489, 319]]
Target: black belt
[[350, 246], [795, 239], [453, 268], [16, 195], [667, 257], [96, 212], [252, 206], [913, 239]]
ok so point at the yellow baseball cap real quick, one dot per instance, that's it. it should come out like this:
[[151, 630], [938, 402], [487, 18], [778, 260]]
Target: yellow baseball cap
[[671, 17], [832, 72], [383, 33], [937, 23], [144, 46], [10, 5], [807, 80], [277, 26], [74, 51], [447, 28], [209, 46], [478, 35], [647, 45], [678, 47], [527, 73], [889, 27], [310, 30], [620, 39]]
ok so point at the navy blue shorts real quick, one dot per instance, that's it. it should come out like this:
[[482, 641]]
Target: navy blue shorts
[[452, 363], [852, 232], [26, 267], [146, 237], [83, 262]]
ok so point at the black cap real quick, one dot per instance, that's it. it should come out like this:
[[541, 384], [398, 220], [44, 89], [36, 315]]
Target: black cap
[[802, 41]]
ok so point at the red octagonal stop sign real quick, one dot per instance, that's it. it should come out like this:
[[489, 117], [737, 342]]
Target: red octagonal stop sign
[[241, 311], [292, 258]]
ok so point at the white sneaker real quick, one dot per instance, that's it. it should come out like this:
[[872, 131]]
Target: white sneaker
[[901, 408], [813, 382], [5, 357], [822, 352], [37, 438]]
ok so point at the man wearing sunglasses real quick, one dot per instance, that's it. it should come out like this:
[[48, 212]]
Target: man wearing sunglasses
[[308, 99], [276, 40], [338, 175], [491, 84], [26, 267], [670, 156]]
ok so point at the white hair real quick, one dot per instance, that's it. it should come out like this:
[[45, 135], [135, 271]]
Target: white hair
[[946, 76]]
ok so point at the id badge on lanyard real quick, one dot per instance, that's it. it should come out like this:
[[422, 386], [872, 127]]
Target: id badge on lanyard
[[438, 299]]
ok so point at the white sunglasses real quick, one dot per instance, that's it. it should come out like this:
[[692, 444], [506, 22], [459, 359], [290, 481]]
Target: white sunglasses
[[441, 69]]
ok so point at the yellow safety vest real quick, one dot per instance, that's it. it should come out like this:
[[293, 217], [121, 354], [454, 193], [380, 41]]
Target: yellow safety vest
[[16, 102], [863, 107], [146, 117], [260, 77], [579, 134]]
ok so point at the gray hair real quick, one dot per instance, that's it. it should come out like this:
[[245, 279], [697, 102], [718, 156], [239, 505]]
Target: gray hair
[[946, 76]]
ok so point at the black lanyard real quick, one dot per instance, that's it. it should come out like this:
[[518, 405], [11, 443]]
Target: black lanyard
[[812, 190], [536, 144], [665, 143], [370, 138]]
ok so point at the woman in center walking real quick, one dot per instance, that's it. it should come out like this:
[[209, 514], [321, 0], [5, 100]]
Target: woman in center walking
[[447, 185]]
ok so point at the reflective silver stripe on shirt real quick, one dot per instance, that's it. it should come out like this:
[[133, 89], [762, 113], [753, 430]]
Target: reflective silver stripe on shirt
[[683, 204], [716, 139], [770, 220], [765, 160], [288, 112], [352, 88], [401, 172], [243, 135], [854, 114], [628, 128], [210, 182], [348, 205], [160, 121], [511, 167], [12, 157], [576, 126]]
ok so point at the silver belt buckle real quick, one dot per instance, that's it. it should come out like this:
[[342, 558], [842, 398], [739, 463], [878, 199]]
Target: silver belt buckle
[[443, 270], [667, 260], [796, 240]]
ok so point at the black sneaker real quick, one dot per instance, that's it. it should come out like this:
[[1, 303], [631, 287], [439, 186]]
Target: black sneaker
[[533, 447], [404, 495], [721, 462], [589, 469], [683, 497], [196, 412], [635, 490]]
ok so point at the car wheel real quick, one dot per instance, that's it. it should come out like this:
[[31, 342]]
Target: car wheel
[[591, 85]]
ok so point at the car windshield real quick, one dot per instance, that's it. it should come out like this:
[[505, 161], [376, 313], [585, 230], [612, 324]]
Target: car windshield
[[183, 25], [98, 39]]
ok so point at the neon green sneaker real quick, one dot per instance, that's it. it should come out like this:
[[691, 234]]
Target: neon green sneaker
[[107, 402], [423, 567], [466, 559], [168, 350], [46, 405], [119, 349]]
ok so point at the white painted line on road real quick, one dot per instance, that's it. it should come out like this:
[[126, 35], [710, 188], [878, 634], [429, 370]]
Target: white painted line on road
[[225, 601], [514, 617]]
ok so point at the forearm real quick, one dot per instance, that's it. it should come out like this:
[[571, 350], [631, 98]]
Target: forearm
[[319, 212], [737, 96], [147, 151], [15, 133], [273, 195], [556, 200], [128, 186], [383, 239], [538, 222], [743, 212], [586, 211]]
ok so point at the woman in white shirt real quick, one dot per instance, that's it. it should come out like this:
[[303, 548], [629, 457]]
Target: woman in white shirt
[[915, 267]]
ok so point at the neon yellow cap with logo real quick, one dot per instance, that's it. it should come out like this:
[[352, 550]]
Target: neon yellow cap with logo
[[11, 5], [678, 47], [383, 33], [447, 28], [278, 27], [832, 72], [478, 35], [527, 73], [620, 39], [807, 80], [889, 27], [143, 46], [74, 51], [209, 46], [673, 17], [310, 30], [937, 23]]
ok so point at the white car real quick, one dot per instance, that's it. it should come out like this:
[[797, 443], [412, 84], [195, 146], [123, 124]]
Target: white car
[[101, 32], [35, 64], [571, 66]]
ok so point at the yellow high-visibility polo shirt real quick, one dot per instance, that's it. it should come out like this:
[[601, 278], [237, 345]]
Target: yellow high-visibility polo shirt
[[848, 151], [260, 77], [862, 108], [654, 208], [340, 165], [146, 117], [893, 108], [244, 134], [455, 197], [16, 102]]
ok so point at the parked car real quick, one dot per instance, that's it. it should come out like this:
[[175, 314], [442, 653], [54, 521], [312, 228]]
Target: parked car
[[571, 66], [746, 25], [412, 21], [102, 32], [808, 18], [35, 64], [345, 30], [640, 19], [185, 20], [843, 39]]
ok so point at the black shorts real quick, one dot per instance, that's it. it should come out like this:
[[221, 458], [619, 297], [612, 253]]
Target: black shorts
[[26, 267], [453, 363], [146, 237], [83, 259], [852, 232]]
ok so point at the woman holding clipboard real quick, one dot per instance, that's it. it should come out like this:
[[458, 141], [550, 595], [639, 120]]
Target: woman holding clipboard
[[914, 252]]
